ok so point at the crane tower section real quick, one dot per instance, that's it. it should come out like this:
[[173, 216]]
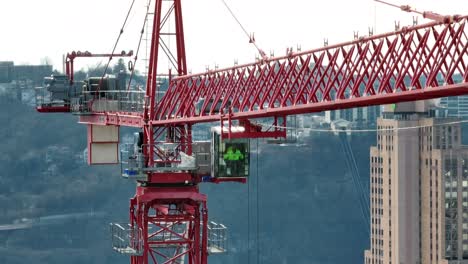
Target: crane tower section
[[168, 220]]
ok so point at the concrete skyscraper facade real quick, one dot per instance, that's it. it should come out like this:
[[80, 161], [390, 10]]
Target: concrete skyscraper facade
[[418, 189]]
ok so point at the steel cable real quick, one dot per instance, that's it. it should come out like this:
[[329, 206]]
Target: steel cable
[[139, 44], [117, 41], [251, 38], [364, 130], [258, 210]]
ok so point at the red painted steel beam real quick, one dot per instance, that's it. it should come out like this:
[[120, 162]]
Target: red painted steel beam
[[150, 194], [155, 211], [70, 59], [414, 63], [53, 109], [414, 95]]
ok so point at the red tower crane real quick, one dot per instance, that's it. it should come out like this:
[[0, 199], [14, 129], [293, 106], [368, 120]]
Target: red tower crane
[[168, 215]]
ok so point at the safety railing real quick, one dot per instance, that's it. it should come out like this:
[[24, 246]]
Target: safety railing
[[167, 157], [45, 98], [217, 238], [126, 239], [78, 107], [169, 235], [132, 162], [109, 101]]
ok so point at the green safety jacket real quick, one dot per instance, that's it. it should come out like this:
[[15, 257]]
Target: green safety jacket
[[231, 155]]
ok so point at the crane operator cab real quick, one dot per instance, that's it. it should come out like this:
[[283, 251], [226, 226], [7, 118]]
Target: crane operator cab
[[230, 157], [221, 159]]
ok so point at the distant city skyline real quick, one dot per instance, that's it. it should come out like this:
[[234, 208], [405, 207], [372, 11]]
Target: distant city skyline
[[55, 27]]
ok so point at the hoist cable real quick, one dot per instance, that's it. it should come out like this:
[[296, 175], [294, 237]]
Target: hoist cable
[[248, 220], [139, 44], [362, 205], [251, 38], [258, 209], [117, 41], [356, 179], [235, 18], [364, 130]]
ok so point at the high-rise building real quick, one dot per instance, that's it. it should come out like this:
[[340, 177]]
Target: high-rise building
[[457, 106], [418, 189]]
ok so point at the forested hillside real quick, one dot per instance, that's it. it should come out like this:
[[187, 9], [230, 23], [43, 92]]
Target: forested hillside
[[306, 211]]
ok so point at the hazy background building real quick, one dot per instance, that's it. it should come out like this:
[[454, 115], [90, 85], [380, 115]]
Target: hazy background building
[[18, 81], [6, 71], [360, 117], [9, 72]]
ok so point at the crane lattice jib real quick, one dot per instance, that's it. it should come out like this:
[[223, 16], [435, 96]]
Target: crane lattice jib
[[412, 63]]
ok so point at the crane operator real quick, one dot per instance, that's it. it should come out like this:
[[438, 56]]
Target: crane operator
[[232, 157]]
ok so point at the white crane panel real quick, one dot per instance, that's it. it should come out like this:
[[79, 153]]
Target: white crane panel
[[103, 144]]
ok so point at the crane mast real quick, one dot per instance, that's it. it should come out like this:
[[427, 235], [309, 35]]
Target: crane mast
[[168, 219], [168, 215]]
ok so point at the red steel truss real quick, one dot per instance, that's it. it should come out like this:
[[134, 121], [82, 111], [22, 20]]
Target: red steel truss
[[168, 208], [412, 63], [70, 60], [173, 224]]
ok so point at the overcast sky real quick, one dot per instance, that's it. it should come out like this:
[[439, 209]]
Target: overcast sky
[[33, 29]]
